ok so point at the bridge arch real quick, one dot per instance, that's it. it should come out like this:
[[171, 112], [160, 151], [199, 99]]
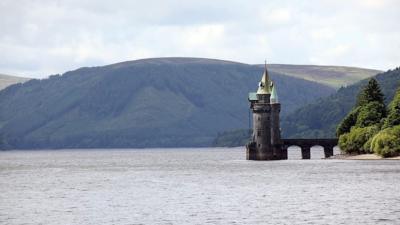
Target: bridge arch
[[294, 148], [306, 145]]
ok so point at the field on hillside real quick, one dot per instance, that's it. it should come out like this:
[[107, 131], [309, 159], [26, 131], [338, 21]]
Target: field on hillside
[[7, 80], [334, 76]]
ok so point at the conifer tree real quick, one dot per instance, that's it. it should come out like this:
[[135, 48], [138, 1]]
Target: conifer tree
[[369, 109], [370, 93]]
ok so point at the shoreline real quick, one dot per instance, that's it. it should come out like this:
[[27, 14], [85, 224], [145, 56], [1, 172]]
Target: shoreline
[[362, 157]]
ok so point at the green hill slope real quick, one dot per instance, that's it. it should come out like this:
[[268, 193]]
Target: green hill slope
[[334, 76], [166, 102], [320, 119], [7, 80]]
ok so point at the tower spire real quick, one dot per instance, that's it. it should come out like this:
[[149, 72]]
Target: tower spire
[[264, 86]]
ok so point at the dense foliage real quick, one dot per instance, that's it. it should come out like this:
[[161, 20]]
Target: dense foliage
[[348, 122], [387, 142], [372, 131], [369, 112], [393, 117], [356, 141], [167, 102]]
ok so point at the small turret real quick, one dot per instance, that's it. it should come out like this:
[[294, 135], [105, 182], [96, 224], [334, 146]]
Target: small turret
[[274, 95]]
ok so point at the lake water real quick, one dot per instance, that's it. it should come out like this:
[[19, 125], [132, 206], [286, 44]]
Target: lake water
[[194, 186]]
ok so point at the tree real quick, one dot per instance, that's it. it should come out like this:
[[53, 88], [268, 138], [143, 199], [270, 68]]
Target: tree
[[348, 122], [369, 109], [370, 93], [370, 114], [357, 141], [361, 124], [387, 142], [393, 117]]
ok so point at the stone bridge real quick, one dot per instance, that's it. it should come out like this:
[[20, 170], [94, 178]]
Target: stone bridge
[[306, 144]]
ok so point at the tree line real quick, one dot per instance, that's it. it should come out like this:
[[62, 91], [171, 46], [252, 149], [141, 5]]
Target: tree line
[[371, 126]]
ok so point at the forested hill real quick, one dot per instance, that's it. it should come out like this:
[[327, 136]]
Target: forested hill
[[320, 119], [165, 102]]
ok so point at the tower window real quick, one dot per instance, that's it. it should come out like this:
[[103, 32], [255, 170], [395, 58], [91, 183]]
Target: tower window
[[258, 133]]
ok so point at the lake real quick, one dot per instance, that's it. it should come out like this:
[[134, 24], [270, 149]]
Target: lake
[[194, 186]]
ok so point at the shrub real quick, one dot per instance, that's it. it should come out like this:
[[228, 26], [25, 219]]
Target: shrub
[[344, 144], [387, 142], [367, 145], [357, 141]]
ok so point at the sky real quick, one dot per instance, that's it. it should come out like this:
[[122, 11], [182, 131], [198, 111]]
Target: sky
[[43, 37]]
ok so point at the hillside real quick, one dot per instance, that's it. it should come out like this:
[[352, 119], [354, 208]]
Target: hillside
[[320, 119], [334, 76], [7, 80], [165, 102]]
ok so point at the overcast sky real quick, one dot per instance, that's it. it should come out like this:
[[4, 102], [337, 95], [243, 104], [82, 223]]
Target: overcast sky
[[39, 38]]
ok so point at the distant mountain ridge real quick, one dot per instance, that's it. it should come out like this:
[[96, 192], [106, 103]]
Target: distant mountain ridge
[[7, 80], [164, 102], [334, 76]]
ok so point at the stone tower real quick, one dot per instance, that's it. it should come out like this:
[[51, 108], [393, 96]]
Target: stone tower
[[265, 143]]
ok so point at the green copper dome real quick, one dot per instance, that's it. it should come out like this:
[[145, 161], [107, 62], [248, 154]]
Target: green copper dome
[[274, 95]]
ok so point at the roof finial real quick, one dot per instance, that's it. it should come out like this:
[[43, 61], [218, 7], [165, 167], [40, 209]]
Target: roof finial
[[265, 64]]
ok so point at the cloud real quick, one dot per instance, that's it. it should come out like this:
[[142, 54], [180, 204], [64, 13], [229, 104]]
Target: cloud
[[322, 34], [277, 17], [375, 4], [40, 38]]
